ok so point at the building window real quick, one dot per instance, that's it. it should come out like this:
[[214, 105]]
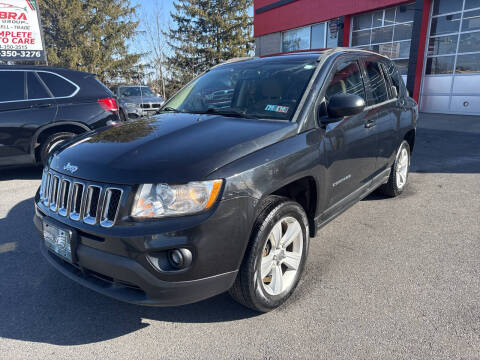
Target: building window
[[388, 32], [297, 39], [317, 36], [454, 44]]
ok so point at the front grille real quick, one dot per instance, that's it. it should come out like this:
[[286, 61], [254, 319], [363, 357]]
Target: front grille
[[91, 203], [150, 106]]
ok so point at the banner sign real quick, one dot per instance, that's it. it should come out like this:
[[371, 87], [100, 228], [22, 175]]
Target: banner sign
[[20, 31]]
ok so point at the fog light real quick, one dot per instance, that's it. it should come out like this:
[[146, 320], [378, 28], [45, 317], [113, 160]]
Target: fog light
[[180, 258]]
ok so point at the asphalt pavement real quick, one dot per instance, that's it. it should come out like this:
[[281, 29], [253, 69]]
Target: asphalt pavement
[[388, 279]]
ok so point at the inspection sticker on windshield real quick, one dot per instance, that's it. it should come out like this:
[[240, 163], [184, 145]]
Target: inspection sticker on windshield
[[277, 108]]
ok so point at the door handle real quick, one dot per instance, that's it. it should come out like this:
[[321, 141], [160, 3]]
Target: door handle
[[370, 123], [42, 106]]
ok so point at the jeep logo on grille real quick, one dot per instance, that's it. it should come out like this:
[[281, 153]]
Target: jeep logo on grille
[[71, 168]]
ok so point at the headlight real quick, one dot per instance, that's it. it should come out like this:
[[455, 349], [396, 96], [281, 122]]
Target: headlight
[[131, 105], [162, 200]]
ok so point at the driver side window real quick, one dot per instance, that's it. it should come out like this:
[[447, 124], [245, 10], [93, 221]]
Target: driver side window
[[347, 80]]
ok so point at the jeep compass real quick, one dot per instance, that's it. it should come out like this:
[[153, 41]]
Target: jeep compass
[[223, 190]]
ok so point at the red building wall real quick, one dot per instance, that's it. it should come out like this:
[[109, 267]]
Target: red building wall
[[305, 12]]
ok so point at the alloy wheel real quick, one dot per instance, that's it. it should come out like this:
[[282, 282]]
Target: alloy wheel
[[403, 163], [281, 256]]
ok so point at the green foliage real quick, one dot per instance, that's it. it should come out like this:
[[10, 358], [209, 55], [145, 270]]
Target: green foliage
[[91, 35], [206, 33]]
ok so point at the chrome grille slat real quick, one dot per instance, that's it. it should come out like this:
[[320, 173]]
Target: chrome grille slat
[[43, 185], [53, 198], [77, 201], [47, 189], [94, 204], [111, 207], [64, 197]]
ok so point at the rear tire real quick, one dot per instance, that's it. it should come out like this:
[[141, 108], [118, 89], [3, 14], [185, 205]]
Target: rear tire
[[122, 116], [397, 182], [275, 256], [51, 143]]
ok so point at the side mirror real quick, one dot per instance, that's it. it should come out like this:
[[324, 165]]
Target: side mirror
[[341, 105], [394, 92]]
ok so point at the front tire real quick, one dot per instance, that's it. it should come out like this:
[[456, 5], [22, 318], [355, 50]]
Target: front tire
[[397, 182], [275, 257]]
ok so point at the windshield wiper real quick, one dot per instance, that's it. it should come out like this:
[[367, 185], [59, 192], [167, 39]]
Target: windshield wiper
[[230, 113], [169, 109]]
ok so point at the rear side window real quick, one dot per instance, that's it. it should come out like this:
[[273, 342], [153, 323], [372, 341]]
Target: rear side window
[[347, 80], [392, 72], [35, 89], [58, 86], [378, 87], [13, 86], [104, 87]]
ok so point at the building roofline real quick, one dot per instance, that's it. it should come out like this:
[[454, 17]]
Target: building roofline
[[323, 51]]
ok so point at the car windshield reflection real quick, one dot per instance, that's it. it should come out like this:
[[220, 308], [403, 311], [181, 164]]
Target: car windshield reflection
[[251, 89]]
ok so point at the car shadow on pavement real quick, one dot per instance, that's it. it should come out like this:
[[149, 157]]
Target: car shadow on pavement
[[440, 151], [446, 151], [39, 304], [27, 173]]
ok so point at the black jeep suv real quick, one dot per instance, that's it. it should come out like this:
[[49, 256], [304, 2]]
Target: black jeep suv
[[42, 106], [223, 189]]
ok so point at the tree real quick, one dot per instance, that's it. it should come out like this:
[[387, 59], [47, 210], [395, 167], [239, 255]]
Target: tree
[[206, 33], [155, 40], [91, 35]]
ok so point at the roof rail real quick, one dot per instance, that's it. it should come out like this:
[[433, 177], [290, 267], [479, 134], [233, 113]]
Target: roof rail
[[296, 52], [233, 60]]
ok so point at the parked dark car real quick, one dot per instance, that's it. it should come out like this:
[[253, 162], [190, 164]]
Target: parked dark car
[[137, 101], [214, 196], [42, 106]]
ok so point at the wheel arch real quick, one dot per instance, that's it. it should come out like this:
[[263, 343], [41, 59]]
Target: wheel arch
[[410, 138], [303, 191], [43, 133]]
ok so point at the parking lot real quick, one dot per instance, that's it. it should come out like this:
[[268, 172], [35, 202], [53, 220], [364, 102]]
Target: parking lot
[[390, 278]]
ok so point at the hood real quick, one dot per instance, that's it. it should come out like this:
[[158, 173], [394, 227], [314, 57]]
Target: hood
[[141, 99], [169, 148]]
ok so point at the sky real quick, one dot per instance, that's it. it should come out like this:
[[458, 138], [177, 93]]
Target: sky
[[148, 7]]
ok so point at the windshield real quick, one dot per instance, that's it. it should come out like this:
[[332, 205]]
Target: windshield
[[128, 91], [269, 89]]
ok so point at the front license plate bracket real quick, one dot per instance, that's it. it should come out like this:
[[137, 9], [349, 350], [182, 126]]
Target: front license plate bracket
[[60, 240]]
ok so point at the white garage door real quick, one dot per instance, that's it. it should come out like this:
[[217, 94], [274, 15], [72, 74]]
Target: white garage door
[[452, 70]]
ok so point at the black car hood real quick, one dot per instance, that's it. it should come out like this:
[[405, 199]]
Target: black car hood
[[170, 148]]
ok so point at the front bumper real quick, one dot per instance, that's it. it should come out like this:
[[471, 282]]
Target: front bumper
[[136, 112], [118, 266]]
